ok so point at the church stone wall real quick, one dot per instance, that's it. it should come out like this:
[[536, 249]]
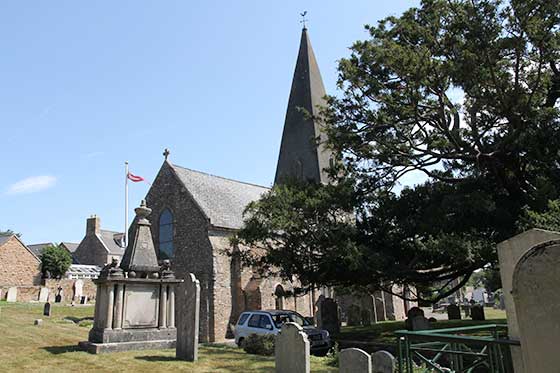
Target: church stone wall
[[18, 266], [192, 248]]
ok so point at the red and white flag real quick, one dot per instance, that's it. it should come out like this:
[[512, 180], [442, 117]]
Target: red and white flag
[[134, 178]]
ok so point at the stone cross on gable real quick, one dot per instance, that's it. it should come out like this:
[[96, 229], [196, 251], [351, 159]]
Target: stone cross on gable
[[166, 153]]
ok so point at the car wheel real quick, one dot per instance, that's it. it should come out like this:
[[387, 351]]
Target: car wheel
[[240, 342]]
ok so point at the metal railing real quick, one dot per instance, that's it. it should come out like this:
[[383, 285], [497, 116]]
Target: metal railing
[[456, 350]]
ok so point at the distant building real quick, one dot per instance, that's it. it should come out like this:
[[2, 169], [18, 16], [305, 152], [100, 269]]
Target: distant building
[[19, 266], [37, 248], [99, 246]]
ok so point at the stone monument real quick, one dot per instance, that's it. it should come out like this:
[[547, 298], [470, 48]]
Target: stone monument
[[453, 312], [188, 300], [78, 290], [382, 362], [291, 351], [11, 295], [354, 360], [536, 280], [135, 302], [328, 316], [44, 295]]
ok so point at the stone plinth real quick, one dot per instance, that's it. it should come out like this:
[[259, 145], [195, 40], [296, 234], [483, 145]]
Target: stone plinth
[[133, 311]]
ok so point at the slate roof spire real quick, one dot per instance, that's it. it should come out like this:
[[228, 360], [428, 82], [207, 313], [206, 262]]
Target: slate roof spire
[[300, 157]]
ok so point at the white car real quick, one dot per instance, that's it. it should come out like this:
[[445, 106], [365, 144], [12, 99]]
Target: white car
[[270, 322]]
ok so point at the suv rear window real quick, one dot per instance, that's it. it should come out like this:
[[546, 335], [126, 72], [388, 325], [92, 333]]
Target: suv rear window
[[254, 321], [243, 318]]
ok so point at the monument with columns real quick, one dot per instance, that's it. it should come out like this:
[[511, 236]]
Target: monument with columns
[[135, 307]]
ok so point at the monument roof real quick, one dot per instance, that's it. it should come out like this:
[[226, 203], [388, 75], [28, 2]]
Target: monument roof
[[222, 200]]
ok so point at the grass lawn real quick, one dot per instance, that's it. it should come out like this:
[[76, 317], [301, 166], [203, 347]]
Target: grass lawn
[[52, 347], [383, 332]]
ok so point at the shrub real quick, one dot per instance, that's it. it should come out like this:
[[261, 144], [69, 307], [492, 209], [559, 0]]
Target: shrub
[[333, 355], [259, 344], [55, 260]]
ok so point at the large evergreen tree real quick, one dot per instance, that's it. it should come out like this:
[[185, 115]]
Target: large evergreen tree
[[463, 92]]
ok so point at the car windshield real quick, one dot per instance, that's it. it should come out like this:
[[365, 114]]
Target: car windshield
[[281, 318]]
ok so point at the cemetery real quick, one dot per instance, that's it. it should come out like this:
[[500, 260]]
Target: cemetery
[[411, 224]]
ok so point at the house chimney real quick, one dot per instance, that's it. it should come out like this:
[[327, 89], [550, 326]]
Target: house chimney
[[93, 225]]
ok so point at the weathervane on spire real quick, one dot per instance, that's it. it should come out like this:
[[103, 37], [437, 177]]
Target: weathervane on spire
[[303, 19]]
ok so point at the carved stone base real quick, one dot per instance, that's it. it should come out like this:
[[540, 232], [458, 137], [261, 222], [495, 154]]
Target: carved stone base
[[102, 348], [131, 335]]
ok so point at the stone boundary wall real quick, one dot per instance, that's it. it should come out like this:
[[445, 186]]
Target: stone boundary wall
[[31, 293]]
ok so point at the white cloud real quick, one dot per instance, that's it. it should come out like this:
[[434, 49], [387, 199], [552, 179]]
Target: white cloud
[[32, 184]]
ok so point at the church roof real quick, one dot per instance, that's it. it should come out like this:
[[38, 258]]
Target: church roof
[[113, 241], [222, 200], [300, 157]]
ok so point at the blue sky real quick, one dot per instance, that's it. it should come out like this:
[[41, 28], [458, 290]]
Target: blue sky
[[88, 85]]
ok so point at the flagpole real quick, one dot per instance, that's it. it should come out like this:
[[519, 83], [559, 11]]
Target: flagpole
[[126, 203]]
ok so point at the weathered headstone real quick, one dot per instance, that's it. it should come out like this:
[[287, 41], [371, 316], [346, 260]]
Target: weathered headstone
[[44, 295], [354, 315], [83, 299], [354, 360], [188, 309], [477, 313], [415, 311], [536, 280], [328, 317], [12, 294], [292, 350], [419, 323], [47, 309], [366, 317], [78, 290], [382, 362], [58, 298], [453, 312]]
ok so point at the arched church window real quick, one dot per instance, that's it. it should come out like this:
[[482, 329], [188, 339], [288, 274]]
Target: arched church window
[[166, 235], [279, 295]]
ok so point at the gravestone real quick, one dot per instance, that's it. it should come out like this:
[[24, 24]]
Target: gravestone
[[38, 322], [328, 317], [453, 312], [47, 309], [188, 309], [58, 297], [383, 362], [44, 295], [415, 311], [477, 313], [354, 360], [78, 289], [354, 316], [419, 323], [291, 351], [366, 317], [379, 306], [536, 280], [83, 299], [12, 294]]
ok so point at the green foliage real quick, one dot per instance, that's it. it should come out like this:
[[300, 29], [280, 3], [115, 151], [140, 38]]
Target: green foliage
[[333, 355], [462, 92], [488, 278], [548, 219], [259, 344], [9, 232], [55, 260]]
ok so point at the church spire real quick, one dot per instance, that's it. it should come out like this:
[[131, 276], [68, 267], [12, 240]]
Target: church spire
[[300, 157]]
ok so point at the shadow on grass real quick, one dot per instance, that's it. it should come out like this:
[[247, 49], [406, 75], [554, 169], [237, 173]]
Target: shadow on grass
[[57, 350], [77, 320]]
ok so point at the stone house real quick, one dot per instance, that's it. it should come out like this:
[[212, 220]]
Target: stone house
[[99, 246], [19, 266]]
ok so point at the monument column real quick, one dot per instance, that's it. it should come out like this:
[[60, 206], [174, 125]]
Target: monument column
[[110, 301], [163, 307], [117, 322]]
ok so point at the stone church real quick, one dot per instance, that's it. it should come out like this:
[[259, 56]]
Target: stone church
[[194, 213]]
